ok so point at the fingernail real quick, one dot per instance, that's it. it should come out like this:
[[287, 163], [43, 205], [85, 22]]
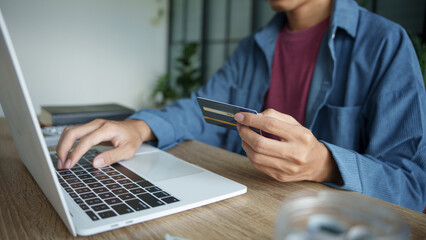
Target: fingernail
[[60, 165], [239, 117], [99, 162], [68, 164]]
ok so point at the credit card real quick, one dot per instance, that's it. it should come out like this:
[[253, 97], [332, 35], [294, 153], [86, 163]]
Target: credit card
[[222, 114]]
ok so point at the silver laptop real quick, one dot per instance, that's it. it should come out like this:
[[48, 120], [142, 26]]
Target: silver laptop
[[150, 185]]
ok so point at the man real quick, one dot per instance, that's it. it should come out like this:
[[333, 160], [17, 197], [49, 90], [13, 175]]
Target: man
[[350, 111]]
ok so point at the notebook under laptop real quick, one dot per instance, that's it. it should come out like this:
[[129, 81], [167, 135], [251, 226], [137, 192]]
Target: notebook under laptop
[[150, 185]]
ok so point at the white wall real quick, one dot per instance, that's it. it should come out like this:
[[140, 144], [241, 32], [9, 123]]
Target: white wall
[[87, 52]]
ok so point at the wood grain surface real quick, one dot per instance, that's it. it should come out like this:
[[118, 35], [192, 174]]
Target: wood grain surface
[[25, 213]]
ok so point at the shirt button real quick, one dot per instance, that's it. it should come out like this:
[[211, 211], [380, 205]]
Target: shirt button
[[333, 36]]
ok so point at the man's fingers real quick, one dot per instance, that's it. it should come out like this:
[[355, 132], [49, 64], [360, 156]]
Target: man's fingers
[[114, 155], [100, 135], [272, 172], [123, 136], [268, 124], [267, 170], [280, 165], [266, 146], [70, 135]]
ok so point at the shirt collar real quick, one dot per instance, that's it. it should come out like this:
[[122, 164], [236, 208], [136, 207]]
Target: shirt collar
[[345, 15], [267, 37]]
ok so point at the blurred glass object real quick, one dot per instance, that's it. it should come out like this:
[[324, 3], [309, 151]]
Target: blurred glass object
[[337, 216]]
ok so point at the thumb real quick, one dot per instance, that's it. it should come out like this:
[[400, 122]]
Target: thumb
[[111, 156]]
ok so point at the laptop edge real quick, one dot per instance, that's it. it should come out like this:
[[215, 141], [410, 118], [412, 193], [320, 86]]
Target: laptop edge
[[47, 181]]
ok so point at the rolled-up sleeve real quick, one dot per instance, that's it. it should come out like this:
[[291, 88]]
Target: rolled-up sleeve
[[183, 119]]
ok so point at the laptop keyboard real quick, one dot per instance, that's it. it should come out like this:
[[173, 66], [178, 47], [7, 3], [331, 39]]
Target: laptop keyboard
[[109, 191]]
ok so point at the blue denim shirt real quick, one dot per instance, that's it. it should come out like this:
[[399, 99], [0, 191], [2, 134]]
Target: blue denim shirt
[[366, 103]]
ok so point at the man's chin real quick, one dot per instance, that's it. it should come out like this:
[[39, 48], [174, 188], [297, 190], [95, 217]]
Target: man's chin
[[280, 5]]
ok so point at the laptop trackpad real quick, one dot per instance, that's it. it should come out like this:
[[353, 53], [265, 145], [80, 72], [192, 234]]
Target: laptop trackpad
[[159, 165]]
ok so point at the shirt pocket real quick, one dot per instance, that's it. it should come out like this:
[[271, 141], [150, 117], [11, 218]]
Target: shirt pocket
[[341, 126]]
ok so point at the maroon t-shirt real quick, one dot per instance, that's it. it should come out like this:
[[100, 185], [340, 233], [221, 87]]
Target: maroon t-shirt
[[292, 69]]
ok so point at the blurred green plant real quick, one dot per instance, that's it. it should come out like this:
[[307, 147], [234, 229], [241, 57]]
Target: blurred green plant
[[420, 48], [188, 77], [363, 3]]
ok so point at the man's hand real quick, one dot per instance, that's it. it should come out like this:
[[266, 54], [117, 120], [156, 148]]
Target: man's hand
[[125, 136], [297, 156]]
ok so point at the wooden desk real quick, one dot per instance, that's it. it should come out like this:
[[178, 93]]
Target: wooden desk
[[25, 213]]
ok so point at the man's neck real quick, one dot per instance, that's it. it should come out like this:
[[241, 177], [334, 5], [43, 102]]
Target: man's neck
[[308, 14]]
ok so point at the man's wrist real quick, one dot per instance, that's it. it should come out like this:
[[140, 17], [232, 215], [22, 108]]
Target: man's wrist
[[329, 171], [144, 131]]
